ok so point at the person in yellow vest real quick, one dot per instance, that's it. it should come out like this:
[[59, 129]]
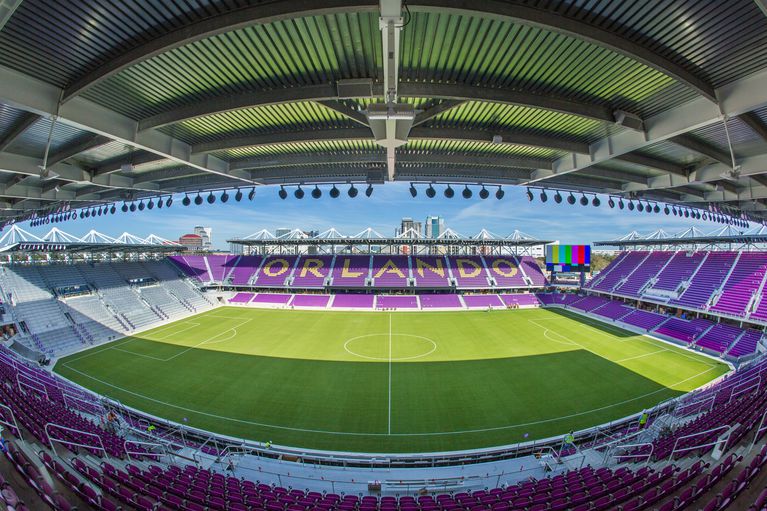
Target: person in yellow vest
[[643, 419]]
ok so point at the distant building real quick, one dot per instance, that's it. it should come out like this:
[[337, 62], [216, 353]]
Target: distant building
[[282, 231], [236, 249], [409, 226], [191, 242], [434, 226], [206, 234]]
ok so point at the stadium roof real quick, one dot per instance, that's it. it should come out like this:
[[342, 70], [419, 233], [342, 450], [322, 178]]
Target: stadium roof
[[725, 236], [17, 239], [122, 100]]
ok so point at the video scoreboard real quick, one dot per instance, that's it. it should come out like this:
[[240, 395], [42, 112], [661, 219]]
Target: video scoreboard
[[568, 258]]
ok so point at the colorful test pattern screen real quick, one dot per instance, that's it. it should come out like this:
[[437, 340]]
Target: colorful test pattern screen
[[564, 258]]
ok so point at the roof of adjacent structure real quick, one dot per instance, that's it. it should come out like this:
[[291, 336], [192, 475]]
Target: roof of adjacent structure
[[115, 100]]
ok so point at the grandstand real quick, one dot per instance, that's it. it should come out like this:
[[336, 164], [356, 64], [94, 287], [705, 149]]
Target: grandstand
[[301, 370]]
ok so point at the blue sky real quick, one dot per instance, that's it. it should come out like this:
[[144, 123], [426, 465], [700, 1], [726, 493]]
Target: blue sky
[[383, 211]]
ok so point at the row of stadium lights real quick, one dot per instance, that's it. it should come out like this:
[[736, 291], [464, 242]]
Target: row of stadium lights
[[430, 192], [649, 207]]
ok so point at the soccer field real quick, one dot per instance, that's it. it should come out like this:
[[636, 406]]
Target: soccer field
[[389, 382]]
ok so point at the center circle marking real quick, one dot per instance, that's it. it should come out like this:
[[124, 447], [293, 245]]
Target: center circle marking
[[386, 359]]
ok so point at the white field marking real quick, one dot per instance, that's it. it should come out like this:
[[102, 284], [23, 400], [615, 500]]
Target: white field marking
[[151, 336], [546, 332], [636, 337], [642, 356], [190, 348], [349, 433], [399, 359], [389, 431]]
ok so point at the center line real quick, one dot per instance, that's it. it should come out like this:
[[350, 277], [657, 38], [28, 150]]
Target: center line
[[390, 373]]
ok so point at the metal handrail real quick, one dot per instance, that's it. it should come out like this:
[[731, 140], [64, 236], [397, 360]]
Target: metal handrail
[[130, 453], [693, 435], [745, 387], [64, 441], [13, 424], [21, 388], [647, 457], [762, 427]]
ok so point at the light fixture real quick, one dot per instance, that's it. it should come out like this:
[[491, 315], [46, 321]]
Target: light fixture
[[640, 206], [584, 200], [198, 199], [529, 195], [449, 192], [571, 199], [666, 210], [467, 193], [141, 205], [112, 210], [211, 198], [334, 192], [150, 204], [543, 195], [224, 196], [299, 193], [611, 203], [656, 209], [353, 191], [169, 202], [499, 193], [631, 205], [252, 193], [620, 204], [558, 197], [238, 195], [413, 191], [283, 194], [160, 203], [124, 209], [596, 202], [132, 207], [483, 193], [369, 191], [431, 192], [186, 200]]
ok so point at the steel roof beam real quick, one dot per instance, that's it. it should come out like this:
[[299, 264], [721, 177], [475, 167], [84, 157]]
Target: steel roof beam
[[735, 98], [653, 163], [701, 147], [18, 129], [507, 137], [260, 13], [755, 123], [321, 93], [549, 20], [92, 142], [116, 165], [434, 111], [345, 110], [27, 93]]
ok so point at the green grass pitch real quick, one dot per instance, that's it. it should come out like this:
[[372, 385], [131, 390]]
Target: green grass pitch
[[389, 382]]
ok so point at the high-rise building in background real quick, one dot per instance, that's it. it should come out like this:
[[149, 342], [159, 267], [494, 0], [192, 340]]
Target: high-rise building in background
[[206, 234], [409, 227], [434, 226], [192, 242]]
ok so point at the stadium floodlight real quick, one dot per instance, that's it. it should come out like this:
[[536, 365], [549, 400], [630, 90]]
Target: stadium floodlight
[[467, 193], [705, 216], [611, 203], [283, 194], [596, 202], [666, 210], [656, 208], [211, 198], [543, 195], [87, 213], [558, 197], [82, 215], [198, 199], [149, 204], [316, 193], [529, 195], [252, 193], [334, 192], [353, 191], [141, 206], [132, 207], [640, 206], [687, 213], [584, 200], [620, 204], [631, 205], [431, 192], [186, 200], [238, 195], [648, 209], [483, 193], [169, 202], [224, 196], [369, 191], [124, 208], [113, 209], [499, 193], [449, 192], [299, 193], [571, 199], [413, 191]]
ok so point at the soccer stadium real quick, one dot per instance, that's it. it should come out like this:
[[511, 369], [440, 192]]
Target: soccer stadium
[[580, 323]]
